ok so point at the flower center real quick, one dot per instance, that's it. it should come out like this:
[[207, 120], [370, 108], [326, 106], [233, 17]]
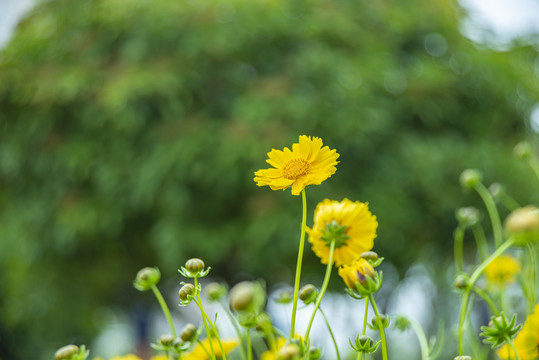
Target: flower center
[[295, 168], [335, 232]]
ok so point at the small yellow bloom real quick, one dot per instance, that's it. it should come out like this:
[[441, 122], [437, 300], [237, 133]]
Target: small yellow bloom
[[200, 352], [502, 270], [159, 357], [526, 342], [356, 272], [125, 357], [272, 353], [307, 164], [350, 224]]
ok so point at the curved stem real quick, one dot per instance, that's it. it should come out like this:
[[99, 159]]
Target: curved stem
[[480, 241], [423, 343], [165, 309], [463, 309], [487, 299], [532, 276], [492, 213], [236, 329], [457, 248], [329, 267], [331, 333], [212, 325], [380, 327], [249, 346], [510, 342], [510, 203], [534, 164], [298, 265], [365, 316], [208, 334]]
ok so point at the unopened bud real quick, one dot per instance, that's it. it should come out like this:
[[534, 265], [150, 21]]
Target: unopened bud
[[188, 332], [522, 150], [382, 319], [146, 278], [247, 296], [308, 294], [215, 291], [288, 352], [469, 178], [497, 191], [284, 297], [462, 282], [195, 265], [186, 291], [523, 224], [468, 216], [66, 352], [166, 340]]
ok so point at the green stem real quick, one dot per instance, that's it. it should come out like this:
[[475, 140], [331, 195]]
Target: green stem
[[487, 299], [204, 348], [510, 203], [480, 241], [214, 328], [380, 327], [298, 265], [329, 267], [492, 213], [208, 334], [249, 346], [331, 333], [236, 328], [463, 309], [458, 240], [532, 276], [423, 343], [510, 342], [165, 309], [365, 316]]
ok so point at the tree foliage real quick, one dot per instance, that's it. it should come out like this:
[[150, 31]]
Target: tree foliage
[[130, 132]]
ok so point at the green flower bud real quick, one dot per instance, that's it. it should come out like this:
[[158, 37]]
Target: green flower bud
[[284, 297], [166, 340], [364, 344], [188, 332], [523, 225], [247, 296], [186, 293], [372, 258], [146, 278], [215, 291], [195, 265], [522, 150], [66, 352], [402, 323], [462, 281], [315, 354], [288, 352], [308, 294], [499, 330], [469, 178], [384, 319], [468, 216], [497, 191]]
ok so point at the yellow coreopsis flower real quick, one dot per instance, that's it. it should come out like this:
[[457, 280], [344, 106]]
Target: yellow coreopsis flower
[[307, 164], [526, 342], [350, 224], [125, 357], [358, 271], [201, 351], [272, 353], [502, 270]]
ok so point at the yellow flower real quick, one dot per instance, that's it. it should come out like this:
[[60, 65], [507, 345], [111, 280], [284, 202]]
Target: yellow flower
[[200, 352], [159, 357], [526, 342], [272, 353], [307, 164], [502, 270], [356, 272], [125, 357], [350, 224]]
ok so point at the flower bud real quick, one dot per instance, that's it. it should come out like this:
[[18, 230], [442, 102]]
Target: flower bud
[[364, 344], [186, 292], [468, 216], [308, 294], [522, 150], [66, 352], [215, 291], [497, 191], [372, 258], [376, 320], [188, 332], [288, 352], [462, 281], [402, 323], [195, 265], [146, 278], [463, 357], [284, 297], [523, 225], [315, 354], [248, 296], [166, 340], [469, 178]]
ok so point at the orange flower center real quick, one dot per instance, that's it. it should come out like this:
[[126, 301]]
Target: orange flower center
[[295, 168]]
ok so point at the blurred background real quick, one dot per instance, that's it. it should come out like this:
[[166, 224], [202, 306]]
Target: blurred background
[[130, 132]]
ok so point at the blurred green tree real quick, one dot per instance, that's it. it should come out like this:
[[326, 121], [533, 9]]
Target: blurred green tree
[[130, 131]]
